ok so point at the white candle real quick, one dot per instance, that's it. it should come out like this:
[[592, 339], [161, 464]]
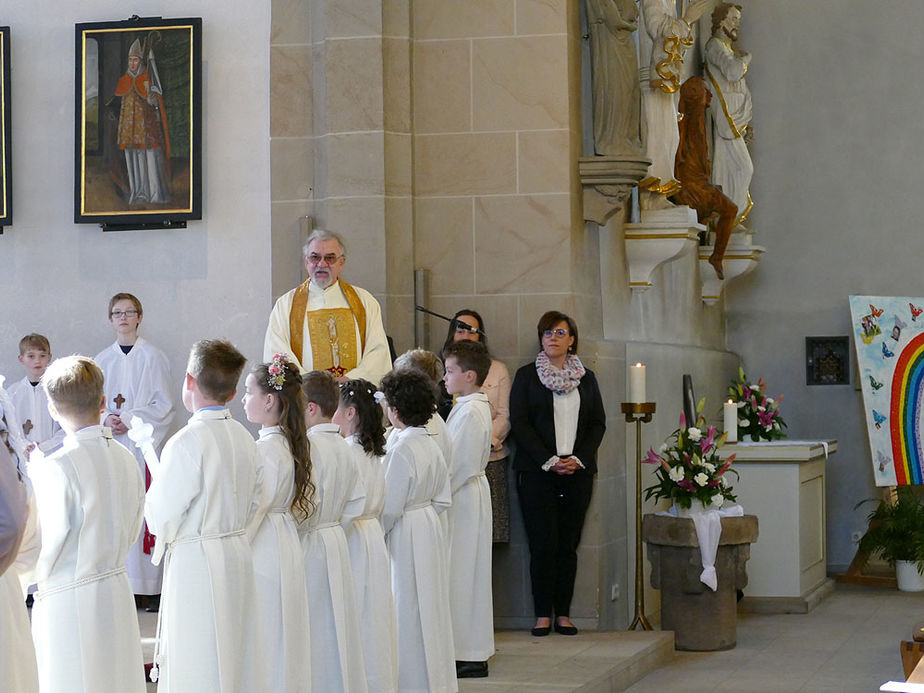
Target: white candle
[[730, 413], [637, 383]]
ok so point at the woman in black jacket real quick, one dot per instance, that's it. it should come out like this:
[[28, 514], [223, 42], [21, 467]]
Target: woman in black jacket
[[557, 420]]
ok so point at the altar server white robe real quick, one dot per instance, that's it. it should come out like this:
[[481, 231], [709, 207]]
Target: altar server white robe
[[139, 384], [36, 424], [279, 571], [89, 496], [416, 489], [471, 522], [201, 498], [372, 577], [336, 646]]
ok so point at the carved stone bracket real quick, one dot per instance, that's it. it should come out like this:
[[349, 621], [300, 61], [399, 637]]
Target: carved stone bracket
[[662, 235], [739, 260], [608, 182]]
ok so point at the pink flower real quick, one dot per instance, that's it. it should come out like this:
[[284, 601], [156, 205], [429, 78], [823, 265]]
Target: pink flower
[[686, 485], [705, 444], [683, 421], [652, 457]]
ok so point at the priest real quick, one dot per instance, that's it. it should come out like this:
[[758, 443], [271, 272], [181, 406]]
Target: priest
[[327, 324]]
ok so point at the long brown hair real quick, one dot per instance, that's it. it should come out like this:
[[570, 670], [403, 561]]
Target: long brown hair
[[292, 423]]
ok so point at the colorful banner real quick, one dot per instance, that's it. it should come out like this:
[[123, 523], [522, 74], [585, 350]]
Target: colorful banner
[[889, 338]]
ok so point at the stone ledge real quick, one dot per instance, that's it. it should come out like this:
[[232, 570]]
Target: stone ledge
[[675, 531]]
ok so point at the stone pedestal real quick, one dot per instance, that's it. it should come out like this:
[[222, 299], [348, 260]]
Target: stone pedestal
[[702, 620]]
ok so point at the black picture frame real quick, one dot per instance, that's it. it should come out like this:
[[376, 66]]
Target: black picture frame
[[138, 132], [6, 138]]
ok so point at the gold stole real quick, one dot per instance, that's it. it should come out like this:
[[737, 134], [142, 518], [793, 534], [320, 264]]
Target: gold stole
[[331, 327]]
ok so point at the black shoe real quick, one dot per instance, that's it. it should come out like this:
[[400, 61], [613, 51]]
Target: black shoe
[[152, 605], [471, 670], [565, 630], [541, 632]]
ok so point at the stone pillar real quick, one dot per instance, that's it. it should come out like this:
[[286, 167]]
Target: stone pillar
[[701, 619]]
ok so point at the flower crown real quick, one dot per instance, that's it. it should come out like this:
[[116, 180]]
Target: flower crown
[[277, 371]]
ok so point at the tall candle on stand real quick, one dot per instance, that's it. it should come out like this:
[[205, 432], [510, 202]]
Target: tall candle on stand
[[730, 412], [637, 383]]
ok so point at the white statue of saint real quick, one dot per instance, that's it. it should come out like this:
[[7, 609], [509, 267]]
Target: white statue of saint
[[726, 66], [668, 38]]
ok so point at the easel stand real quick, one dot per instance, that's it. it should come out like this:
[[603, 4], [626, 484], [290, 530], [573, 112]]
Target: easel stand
[[855, 575], [639, 412]]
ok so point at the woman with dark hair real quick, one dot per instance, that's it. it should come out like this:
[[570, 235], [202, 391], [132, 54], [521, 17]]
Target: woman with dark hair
[[557, 421], [416, 489], [468, 325]]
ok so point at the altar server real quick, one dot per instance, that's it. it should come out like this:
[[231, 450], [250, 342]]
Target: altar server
[[470, 518], [416, 490], [138, 383], [29, 401], [273, 399], [336, 646], [90, 497], [359, 416], [203, 493]]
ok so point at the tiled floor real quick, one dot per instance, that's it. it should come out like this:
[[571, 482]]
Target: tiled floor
[[848, 644]]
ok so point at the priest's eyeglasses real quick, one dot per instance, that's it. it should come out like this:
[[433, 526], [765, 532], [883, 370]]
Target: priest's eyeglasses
[[130, 313], [557, 333], [330, 258]]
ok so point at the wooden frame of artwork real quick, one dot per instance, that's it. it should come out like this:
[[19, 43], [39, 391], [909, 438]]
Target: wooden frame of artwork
[[138, 123], [6, 157]]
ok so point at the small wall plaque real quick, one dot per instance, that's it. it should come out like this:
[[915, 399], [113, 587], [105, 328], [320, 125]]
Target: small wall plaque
[[827, 361]]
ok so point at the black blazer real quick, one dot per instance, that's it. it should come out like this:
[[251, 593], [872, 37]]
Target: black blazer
[[532, 421]]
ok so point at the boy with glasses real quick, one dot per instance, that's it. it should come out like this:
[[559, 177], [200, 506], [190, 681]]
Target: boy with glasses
[[138, 384]]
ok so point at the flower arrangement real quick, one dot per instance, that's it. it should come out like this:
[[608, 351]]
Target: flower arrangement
[[277, 371], [689, 468], [758, 415]]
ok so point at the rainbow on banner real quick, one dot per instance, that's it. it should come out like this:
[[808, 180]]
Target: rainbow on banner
[[906, 410]]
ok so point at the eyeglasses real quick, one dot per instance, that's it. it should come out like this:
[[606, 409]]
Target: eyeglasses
[[330, 258], [557, 333], [130, 313]]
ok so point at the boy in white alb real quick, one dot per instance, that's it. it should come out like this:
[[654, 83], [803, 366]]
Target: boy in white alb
[[138, 383], [89, 496], [337, 662], [29, 401], [203, 494], [470, 518]]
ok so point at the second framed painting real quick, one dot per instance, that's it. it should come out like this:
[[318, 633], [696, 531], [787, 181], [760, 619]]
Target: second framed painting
[[138, 98]]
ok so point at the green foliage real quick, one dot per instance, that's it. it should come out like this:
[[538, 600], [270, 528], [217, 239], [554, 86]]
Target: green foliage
[[896, 531]]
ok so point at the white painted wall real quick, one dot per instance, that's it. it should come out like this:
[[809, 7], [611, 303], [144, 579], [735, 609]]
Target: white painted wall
[[839, 136], [210, 280]]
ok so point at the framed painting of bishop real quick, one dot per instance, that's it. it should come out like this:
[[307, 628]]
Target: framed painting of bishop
[[138, 123]]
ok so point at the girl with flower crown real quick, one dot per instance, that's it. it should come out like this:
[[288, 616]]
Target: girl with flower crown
[[273, 399], [359, 416]]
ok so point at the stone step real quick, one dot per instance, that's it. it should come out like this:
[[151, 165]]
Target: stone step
[[589, 662]]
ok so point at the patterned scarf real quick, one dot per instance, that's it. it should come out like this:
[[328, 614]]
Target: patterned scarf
[[559, 381]]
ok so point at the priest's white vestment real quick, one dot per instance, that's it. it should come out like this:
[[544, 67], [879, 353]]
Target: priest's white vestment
[[336, 645], [471, 523], [416, 489], [372, 577], [279, 571], [202, 496], [139, 384], [89, 496], [375, 360]]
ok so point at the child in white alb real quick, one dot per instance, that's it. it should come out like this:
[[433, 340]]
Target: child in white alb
[[89, 496], [359, 416], [416, 491], [336, 645], [38, 427], [470, 519], [203, 494], [273, 399]]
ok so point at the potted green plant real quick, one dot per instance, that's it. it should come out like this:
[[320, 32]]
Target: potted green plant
[[896, 533]]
